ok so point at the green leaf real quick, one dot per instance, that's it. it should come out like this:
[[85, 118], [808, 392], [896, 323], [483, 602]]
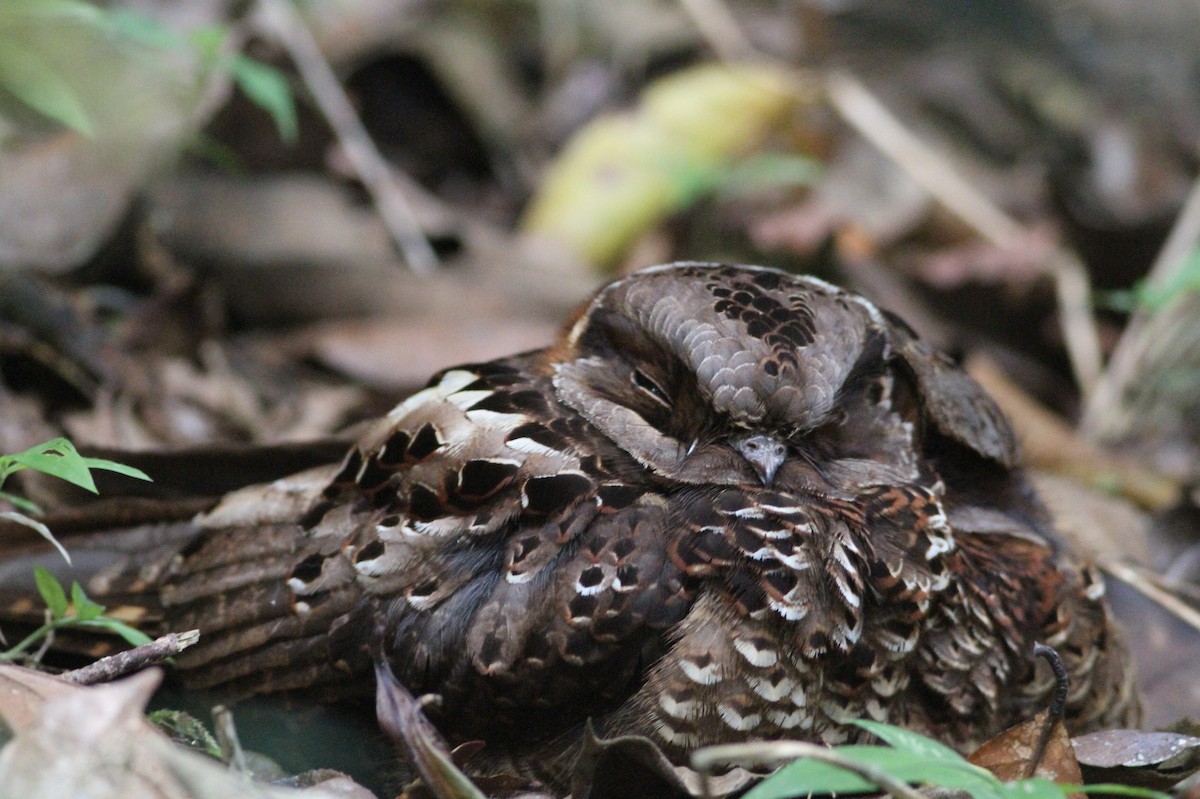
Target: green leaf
[[818, 777], [51, 590], [1118, 790], [119, 468], [1034, 788], [185, 729], [58, 457], [268, 88], [27, 76], [1144, 297], [208, 41], [132, 636], [1119, 300], [769, 170], [913, 743], [1185, 279], [217, 153], [909, 757], [85, 608], [142, 29], [20, 503], [42, 530], [72, 10]]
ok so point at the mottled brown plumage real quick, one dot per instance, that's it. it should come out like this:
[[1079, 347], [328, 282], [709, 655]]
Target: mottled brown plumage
[[729, 503]]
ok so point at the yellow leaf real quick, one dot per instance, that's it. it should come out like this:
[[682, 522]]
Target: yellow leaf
[[623, 173]]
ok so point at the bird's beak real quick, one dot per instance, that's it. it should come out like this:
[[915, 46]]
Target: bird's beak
[[765, 453]]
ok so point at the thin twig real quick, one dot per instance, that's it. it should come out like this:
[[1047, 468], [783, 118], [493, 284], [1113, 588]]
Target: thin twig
[[1127, 357], [874, 122], [720, 29], [227, 739], [118, 665], [769, 752], [47, 642], [1053, 445], [374, 172], [860, 108], [1148, 588], [559, 27], [1073, 290]]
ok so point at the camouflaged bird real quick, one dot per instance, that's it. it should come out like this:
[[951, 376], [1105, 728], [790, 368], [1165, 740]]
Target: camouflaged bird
[[729, 503]]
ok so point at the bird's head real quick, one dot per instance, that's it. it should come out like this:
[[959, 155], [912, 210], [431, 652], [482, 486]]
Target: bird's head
[[729, 375]]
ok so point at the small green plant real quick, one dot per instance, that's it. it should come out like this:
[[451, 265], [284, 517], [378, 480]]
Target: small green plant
[[41, 82], [79, 612], [1144, 296], [263, 84], [59, 458], [911, 759], [186, 730]]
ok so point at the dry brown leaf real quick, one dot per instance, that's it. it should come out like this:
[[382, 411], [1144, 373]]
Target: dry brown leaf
[[1011, 755], [72, 741], [401, 717], [95, 743], [1154, 760], [403, 351]]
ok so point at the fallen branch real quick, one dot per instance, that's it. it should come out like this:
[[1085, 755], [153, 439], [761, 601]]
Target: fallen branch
[[1144, 583], [1142, 351], [1051, 444], [118, 665], [374, 172], [860, 108]]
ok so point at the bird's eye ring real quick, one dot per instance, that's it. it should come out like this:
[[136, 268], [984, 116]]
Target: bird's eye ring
[[646, 384]]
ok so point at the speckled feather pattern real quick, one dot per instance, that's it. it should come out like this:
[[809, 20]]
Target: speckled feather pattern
[[579, 533]]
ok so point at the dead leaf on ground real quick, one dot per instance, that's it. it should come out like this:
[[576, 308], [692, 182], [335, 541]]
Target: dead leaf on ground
[[403, 351], [401, 717], [95, 743], [1155, 760], [629, 765], [1011, 754]]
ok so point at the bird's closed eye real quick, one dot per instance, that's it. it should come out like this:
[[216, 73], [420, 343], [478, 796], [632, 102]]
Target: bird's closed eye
[[647, 385]]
